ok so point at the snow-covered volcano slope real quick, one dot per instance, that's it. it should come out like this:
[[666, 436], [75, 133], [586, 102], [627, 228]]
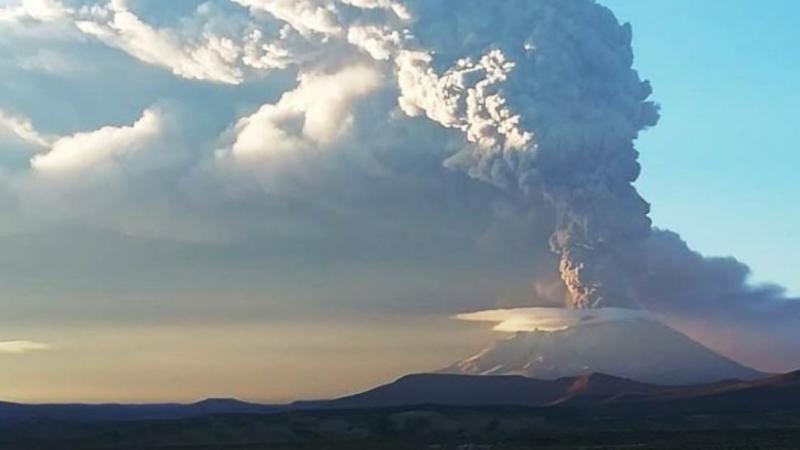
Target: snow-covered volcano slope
[[641, 349]]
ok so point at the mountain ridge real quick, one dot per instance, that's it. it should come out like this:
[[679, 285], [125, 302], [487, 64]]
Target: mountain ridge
[[590, 392]]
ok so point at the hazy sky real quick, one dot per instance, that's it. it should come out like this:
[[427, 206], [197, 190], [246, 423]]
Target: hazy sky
[[223, 198]]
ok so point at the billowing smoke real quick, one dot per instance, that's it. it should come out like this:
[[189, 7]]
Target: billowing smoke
[[543, 92], [552, 108], [714, 300], [546, 98]]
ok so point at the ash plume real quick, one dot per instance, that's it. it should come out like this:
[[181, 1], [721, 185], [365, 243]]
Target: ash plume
[[548, 103], [552, 108], [542, 91]]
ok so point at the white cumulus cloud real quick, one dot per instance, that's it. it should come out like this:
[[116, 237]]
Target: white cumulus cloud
[[20, 128], [100, 148], [41, 10], [313, 115], [205, 56]]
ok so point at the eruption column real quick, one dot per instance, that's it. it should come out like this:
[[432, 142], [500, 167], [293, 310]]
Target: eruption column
[[552, 107]]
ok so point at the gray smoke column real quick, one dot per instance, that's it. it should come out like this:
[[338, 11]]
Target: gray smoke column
[[552, 106], [587, 170]]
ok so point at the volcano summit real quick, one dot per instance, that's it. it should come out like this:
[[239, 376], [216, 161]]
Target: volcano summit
[[554, 343]]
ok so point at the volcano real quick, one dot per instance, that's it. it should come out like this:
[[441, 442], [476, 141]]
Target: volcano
[[640, 349]]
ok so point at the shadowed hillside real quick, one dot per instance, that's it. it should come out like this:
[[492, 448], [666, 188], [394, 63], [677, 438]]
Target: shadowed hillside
[[448, 412]]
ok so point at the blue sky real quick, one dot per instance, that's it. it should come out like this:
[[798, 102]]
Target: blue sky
[[721, 166]]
